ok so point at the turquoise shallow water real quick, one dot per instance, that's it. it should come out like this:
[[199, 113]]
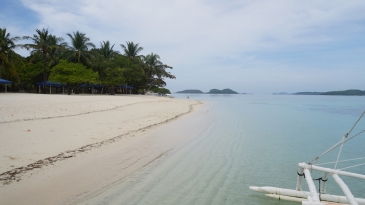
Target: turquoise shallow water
[[253, 141]]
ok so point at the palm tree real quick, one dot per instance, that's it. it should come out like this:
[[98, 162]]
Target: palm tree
[[155, 70], [80, 46], [57, 45], [131, 50], [156, 67], [103, 57], [41, 45], [152, 62], [106, 50], [7, 44]]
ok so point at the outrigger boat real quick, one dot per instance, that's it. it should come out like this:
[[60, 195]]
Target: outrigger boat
[[312, 197]]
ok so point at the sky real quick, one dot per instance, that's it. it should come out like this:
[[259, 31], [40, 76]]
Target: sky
[[258, 47]]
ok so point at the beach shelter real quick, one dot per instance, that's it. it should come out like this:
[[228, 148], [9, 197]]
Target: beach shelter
[[5, 82], [50, 84], [126, 87], [92, 86]]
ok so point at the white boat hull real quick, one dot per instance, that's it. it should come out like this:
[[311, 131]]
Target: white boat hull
[[302, 196]]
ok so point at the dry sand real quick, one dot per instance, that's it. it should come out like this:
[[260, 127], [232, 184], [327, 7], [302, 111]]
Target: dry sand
[[59, 149]]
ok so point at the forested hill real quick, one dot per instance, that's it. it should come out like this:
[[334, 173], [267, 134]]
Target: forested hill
[[344, 92], [224, 91], [212, 91], [308, 93], [190, 91]]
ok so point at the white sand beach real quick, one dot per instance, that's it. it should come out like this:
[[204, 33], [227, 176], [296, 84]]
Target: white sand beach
[[60, 149]]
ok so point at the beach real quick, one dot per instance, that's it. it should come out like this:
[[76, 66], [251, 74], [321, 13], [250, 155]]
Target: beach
[[60, 149]]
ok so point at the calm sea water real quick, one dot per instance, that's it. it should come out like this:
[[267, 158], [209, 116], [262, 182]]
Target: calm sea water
[[253, 140]]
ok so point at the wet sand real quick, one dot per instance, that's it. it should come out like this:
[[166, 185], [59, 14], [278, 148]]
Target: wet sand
[[59, 149]]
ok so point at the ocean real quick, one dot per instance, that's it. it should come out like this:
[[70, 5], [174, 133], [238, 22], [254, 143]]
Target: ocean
[[250, 140]]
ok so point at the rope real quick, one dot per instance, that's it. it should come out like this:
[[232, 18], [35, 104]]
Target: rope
[[301, 174], [355, 135], [341, 161], [356, 122], [319, 186], [330, 149], [336, 145], [352, 166], [342, 140], [339, 152]]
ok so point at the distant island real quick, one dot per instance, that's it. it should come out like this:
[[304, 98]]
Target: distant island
[[282, 93], [345, 92], [212, 91], [191, 91], [351, 92], [224, 91], [308, 93]]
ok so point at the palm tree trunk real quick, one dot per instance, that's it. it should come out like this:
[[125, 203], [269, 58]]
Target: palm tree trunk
[[78, 59], [44, 73]]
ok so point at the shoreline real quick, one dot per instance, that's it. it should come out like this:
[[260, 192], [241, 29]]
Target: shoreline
[[70, 167]]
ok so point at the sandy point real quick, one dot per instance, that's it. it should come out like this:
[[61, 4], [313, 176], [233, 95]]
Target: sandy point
[[70, 147]]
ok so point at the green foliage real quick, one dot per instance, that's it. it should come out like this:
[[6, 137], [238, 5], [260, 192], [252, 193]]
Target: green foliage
[[57, 47], [155, 67], [155, 71], [94, 65], [106, 51], [30, 74], [133, 72], [46, 45], [79, 50], [72, 73], [7, 55], [161, 90], [114, 76], [10, 66], [131, 50], [40, 43], [6, 42]]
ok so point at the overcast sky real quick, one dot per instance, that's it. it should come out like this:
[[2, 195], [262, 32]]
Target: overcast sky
[[259, 47]]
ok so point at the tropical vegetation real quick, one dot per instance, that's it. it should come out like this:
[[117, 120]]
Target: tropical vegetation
[[79, 62], [9, 59]]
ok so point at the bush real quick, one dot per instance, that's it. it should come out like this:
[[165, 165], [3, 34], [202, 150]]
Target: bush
[[161, 90]]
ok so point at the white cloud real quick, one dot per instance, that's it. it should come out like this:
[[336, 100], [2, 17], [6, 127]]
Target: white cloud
[[201, 36]]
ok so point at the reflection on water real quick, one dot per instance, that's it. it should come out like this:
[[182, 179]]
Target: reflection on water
[[253, 141]]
